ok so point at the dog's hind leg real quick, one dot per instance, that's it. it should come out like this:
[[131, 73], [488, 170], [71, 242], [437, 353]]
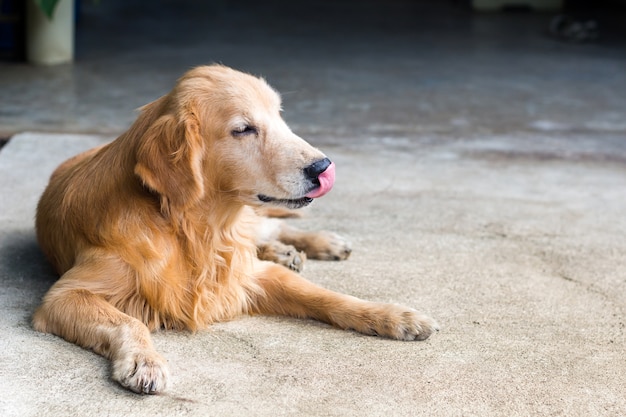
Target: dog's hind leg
[[75, 313], [288, 294]]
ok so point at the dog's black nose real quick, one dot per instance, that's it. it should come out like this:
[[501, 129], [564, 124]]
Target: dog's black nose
[[316, 168]]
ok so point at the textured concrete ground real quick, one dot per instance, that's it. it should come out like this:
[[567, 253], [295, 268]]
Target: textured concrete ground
[[514, 245], [481, 176]]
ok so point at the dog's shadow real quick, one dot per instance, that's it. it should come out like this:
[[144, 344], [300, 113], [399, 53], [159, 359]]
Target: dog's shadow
[[25, 274]]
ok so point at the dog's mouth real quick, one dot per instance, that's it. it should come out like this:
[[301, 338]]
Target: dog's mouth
[[295, 203], [319, 185]]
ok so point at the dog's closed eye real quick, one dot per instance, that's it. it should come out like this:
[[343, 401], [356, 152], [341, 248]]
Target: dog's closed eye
[[245, 130]]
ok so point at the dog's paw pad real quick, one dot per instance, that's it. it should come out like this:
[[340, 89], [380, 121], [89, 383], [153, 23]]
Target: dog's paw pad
[[293, 259]]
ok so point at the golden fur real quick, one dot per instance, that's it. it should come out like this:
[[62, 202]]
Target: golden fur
[[158, 229]]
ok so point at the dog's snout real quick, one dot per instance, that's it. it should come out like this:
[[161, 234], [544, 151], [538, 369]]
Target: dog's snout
[[316, 168]]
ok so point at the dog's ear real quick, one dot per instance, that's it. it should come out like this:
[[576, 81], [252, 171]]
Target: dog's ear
[[169, 159]]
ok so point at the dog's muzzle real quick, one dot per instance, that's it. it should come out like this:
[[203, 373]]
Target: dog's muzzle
[[320, 177]]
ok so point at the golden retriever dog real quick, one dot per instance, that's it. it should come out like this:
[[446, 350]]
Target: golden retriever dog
[[159, 229]]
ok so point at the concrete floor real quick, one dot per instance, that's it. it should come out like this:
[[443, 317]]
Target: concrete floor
[[351, 69], [481, 177]]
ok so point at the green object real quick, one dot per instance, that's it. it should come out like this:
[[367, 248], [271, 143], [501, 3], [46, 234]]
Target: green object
[[47, 6]]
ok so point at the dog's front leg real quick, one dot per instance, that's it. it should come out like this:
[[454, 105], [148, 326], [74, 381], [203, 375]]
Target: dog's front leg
[[78, 315], [287, 293], [321, 244], [281, 254]]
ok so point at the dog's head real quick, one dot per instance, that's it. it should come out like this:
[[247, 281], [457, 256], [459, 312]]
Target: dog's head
[[220, 132]]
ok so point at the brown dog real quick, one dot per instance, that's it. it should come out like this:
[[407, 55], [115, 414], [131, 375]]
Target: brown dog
[[157, 229]]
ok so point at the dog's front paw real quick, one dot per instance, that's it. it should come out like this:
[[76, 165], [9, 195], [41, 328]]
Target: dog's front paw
[[402, 323], [329, 246], [141, 372], [291, 258], [415, 326], [282, 254]]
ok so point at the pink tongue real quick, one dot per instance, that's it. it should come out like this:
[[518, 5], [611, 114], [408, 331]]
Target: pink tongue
[[326, 179]]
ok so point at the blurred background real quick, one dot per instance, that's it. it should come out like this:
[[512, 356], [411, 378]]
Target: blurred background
[[347, 69]]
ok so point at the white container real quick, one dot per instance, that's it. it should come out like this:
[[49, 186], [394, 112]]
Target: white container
[[50, 41]]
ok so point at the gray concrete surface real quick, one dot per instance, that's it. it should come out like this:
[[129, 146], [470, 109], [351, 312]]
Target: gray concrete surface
[[481, 178], [514, 243]]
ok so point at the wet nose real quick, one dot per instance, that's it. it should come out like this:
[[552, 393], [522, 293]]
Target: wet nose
[[316, 168]]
